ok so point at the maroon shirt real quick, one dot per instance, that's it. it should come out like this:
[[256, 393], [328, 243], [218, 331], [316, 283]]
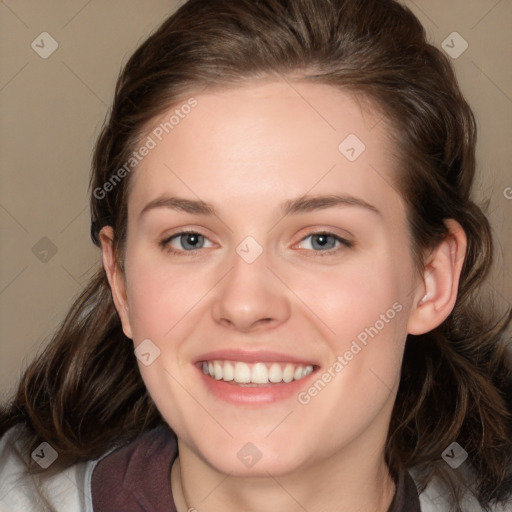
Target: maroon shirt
[[136, 478]]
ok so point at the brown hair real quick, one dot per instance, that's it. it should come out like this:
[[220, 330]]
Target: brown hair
[[84, 393]]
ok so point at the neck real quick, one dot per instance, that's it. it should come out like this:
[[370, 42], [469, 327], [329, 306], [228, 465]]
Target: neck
[[351, 486]]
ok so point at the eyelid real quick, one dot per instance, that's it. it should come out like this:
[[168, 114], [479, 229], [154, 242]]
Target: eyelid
[[345, 242], [164, 243], [321, 229], [198, 230]]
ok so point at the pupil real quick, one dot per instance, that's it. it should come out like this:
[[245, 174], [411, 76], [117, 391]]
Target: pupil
[[191, 240], [323, 241]]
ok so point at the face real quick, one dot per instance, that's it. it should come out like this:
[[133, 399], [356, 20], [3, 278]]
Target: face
[[267, 245]]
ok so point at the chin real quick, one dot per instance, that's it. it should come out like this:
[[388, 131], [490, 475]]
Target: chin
[[258, 459]]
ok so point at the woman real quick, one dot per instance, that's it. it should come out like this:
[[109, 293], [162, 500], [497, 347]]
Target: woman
[[287, 315]]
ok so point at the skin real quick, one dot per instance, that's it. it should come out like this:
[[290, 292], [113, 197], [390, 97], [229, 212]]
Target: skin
[[246, 150]]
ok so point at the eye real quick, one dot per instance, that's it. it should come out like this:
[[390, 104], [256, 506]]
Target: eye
[[186, 241], [324, 242]]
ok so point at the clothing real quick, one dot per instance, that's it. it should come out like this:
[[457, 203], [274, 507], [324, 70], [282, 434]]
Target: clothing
[[136, 479], [137, 475]]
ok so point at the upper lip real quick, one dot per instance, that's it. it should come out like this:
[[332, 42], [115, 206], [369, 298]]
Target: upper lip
[[253, 356]]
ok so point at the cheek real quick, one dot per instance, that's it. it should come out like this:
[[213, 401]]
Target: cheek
[[363, 315], [349, 298], [161, 295], [162, 301]]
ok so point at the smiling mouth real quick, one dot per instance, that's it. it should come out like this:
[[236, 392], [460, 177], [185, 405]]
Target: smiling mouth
[[253, 374]]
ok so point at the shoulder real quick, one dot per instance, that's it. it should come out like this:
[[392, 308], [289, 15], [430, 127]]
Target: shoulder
[[110, 479], [435, 499], [67, 491]]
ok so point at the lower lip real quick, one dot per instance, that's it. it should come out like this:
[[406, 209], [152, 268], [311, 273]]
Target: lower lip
[[254, 395]]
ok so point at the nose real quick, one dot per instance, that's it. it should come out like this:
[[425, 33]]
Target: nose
[[251, 297]]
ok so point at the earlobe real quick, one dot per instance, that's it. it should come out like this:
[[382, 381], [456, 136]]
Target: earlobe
[[115, 278], [435, 299]]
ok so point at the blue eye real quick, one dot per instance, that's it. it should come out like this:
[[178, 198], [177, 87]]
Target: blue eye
[[325, 242], [186, 241], [321, 243]]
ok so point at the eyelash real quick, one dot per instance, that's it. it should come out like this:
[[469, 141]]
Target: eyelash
[[344, 244], [165, 243]]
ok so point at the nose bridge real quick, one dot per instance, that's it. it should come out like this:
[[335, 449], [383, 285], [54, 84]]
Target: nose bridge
[[250, 296]]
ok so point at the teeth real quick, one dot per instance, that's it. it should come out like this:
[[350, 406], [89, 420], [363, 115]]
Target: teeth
[[242, 373], [275, 373], [256, 373], [259, 374], [288, 372], [228, 372], [217, 370]]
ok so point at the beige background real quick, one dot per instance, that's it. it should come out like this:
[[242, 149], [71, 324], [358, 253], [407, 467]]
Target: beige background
[[52, 110]]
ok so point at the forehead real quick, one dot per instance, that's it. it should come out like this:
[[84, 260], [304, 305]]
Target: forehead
[[267, 139]]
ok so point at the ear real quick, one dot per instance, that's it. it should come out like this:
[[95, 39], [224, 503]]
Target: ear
[[115, 278], [434, 300]]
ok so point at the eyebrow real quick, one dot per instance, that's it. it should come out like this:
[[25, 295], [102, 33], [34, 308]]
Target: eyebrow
[[301, 204], [310, 203]]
